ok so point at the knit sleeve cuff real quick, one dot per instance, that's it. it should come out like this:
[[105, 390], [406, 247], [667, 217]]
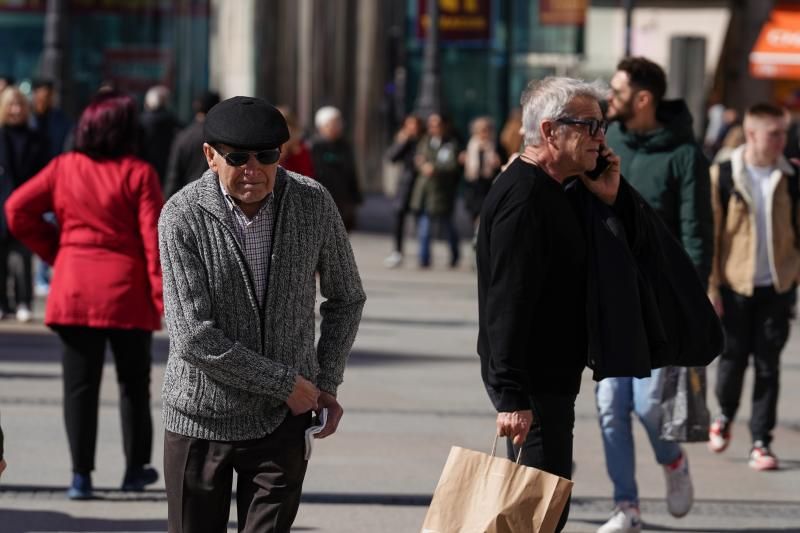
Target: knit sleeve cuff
[[327, 385]]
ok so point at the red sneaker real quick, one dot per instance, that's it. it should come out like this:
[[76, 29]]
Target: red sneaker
[[761, 458], [719, 435]]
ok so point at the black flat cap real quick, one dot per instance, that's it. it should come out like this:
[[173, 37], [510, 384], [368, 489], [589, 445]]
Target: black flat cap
[[247, 123]]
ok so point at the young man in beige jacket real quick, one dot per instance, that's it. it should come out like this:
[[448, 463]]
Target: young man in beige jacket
[[755, 269]]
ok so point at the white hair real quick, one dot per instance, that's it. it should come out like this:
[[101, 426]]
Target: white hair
[[326, 114], [156, 97], [549, 98]]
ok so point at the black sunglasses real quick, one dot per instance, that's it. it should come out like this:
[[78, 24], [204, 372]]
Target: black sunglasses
[[594, 125], [237, 159]]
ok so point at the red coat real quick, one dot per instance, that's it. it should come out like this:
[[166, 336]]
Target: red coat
[[300, 161], [104, 252]]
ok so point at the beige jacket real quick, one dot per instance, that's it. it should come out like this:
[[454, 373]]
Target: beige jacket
[[735, 237]]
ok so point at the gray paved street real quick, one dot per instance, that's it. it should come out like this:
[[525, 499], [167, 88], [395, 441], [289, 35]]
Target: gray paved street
[[412, 390]]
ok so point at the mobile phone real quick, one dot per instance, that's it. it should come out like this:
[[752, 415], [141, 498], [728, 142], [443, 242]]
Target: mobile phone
[[600, 166]]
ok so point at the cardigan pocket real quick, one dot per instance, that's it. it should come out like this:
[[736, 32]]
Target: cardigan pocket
[[212, 399]]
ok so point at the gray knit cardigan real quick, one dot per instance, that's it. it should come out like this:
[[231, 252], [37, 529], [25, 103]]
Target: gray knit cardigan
[[232, 366]]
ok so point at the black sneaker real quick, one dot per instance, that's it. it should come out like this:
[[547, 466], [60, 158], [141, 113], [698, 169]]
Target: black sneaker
[[81, 487], [136, 478]]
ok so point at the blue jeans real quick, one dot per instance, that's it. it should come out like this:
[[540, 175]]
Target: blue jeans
[[425, 230], [616, 399]]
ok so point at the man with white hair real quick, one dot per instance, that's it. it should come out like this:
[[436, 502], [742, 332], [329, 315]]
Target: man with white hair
[[159, 127], [532, 271], [334, 163]]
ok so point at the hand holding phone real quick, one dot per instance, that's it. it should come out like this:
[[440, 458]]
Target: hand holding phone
[[600, 167]]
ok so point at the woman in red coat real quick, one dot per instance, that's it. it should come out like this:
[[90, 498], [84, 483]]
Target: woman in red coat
[[106, 284]]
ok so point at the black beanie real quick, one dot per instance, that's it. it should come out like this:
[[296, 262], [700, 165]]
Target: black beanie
[[246, 123]]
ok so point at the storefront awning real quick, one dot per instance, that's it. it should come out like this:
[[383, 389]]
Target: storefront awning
[[776, 54]]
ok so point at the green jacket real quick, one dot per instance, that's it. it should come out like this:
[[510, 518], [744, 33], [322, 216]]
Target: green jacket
[[436, 194], [667, 167]]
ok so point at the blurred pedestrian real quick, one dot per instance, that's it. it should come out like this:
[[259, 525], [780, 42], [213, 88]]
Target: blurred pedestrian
[[482, 160], [661, 160], [733, 140], [434, 194], [295, 153], [159, 127], [23, 152], [106, 285], [335, 165], [52, 124], [756, 267], [186, 159], [242, 249], [512, 133], [403, 150]]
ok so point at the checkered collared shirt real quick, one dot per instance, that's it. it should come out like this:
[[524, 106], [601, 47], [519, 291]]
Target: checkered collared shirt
[[255, 238]]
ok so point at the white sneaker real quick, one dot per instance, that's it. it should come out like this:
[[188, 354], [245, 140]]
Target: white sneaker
[[24, 314], [394, 260], [680, 493], [624, 519]]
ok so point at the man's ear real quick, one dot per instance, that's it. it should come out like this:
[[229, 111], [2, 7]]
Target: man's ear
[[643, 99], [547, 130], [209, 153]]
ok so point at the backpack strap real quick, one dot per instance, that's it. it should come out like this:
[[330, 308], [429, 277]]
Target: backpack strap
[[794, 193], [725, 186]]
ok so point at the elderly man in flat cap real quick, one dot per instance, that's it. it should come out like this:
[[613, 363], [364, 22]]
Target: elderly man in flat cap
[[240, 250]]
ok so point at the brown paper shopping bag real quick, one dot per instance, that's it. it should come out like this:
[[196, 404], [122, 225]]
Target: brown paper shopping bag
[[480, 493]]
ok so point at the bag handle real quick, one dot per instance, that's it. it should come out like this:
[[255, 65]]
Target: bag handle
[[494, 448]]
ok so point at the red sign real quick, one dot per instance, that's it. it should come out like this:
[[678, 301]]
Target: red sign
[[571, 12], [459, 20], [776, 54]]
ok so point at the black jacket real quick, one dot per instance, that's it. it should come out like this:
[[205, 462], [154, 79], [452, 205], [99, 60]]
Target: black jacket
[[158, 131], [564, 280], [404, 152], [646, 305], [187, 162], [23, 153], [531, 255]]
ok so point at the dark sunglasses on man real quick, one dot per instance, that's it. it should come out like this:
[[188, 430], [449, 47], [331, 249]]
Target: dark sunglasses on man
[[593, 124], [237, 159]]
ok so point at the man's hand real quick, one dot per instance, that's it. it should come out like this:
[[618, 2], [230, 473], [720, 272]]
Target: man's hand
[[335, 413], [304, 396], [427, 169], [515, 424], [606, 186], [2, 466]]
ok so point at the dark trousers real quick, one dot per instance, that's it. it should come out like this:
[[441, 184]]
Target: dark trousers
[[16, 260], [84, 354], [757, 325], [198, 474], [548, 446], [400, 227]]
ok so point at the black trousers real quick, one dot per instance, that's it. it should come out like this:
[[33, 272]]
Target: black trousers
[[399, 228], [16, 260], [198, 474], [548, 446], [757, 325], [83, 358]]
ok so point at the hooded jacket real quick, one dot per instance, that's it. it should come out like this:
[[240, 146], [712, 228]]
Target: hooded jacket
[[668, 169]]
